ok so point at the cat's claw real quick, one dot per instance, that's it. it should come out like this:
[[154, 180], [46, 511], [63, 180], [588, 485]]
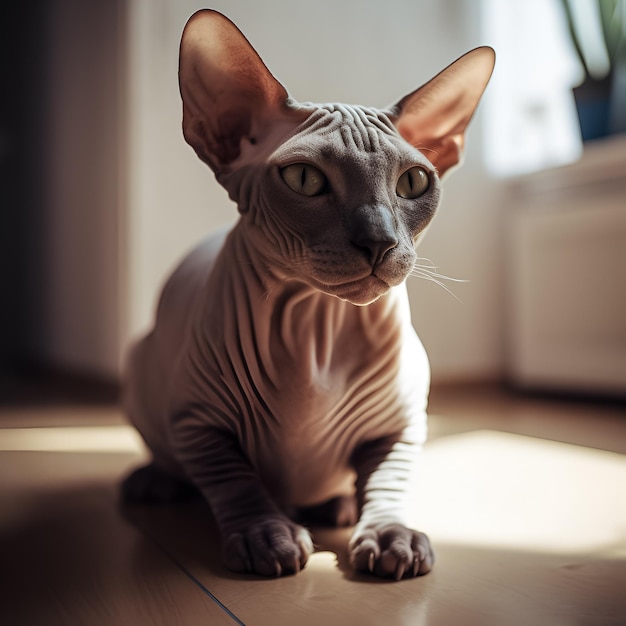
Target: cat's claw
[[400, 571], [416, 565], [391, 551], [272, 547]]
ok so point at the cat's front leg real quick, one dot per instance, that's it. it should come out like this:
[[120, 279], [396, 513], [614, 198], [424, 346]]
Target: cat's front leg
[[383, 543], [256, 536]]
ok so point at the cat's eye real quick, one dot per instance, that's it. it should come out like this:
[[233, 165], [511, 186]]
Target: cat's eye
[[413, 183], [304, 179]]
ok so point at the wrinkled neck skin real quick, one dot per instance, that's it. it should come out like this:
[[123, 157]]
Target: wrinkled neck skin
[[295, 330]]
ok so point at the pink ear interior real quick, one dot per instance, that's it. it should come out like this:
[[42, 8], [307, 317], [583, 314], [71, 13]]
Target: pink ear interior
[[229, 95], [434, 117], [227, 91]]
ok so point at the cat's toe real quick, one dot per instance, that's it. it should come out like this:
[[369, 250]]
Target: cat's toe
[[364, 551], [275, 547], [391, 551]]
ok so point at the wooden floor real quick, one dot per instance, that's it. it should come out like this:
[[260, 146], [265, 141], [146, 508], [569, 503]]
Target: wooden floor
[[524, 499]]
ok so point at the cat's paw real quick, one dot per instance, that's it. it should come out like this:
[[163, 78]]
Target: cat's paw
[[154, 485], [269, 547], [391, 551]]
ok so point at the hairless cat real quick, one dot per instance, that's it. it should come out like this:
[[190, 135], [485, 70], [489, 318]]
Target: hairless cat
[[283, 379]]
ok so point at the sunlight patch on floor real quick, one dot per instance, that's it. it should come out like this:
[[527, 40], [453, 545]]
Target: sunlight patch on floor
[[104, 439], [502, 490], [323, 560], [481, 488]]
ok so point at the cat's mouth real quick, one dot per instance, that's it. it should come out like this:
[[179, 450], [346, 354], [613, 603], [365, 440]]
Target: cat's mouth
[[362, 291]]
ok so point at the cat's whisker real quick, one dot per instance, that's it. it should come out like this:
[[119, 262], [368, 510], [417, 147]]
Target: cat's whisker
[[424, 272], [430, 268], [437, 282], [427, 261], [440, 276]]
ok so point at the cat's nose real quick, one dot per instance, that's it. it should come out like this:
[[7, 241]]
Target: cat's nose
[[373, 231], [375, 249]]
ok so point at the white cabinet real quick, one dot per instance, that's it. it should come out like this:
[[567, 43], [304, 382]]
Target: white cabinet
[[566, 275]]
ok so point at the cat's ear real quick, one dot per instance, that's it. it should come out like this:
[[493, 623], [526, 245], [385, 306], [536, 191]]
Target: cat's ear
[[434, 117], [228, 94]]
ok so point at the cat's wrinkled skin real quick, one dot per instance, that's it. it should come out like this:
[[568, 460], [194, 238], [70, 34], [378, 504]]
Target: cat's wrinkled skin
[[283, 378]]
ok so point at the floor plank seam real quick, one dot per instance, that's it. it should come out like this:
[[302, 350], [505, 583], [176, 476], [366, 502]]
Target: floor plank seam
[[191, 577]]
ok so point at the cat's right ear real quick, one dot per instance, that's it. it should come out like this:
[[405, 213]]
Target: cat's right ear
[[434, 117], [229, 96]]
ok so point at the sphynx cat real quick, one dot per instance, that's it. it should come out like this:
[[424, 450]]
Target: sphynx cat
[[283, 379]]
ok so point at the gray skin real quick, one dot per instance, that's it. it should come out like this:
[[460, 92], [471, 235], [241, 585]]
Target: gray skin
[[283, 379]]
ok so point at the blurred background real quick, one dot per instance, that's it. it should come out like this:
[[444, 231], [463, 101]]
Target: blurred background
[[100, 196]]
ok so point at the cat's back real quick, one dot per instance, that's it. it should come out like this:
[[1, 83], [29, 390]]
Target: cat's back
[[182, 289], [152, 360]]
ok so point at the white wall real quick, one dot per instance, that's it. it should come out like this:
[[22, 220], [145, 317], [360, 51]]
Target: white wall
[[365, 52], [79, 325]]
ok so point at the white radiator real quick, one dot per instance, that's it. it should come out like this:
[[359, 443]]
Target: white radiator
[[566, 275]]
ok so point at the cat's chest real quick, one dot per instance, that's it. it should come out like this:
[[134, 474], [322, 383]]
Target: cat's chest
[[336, 388], [328, 381], [315, 350], [296, 362]]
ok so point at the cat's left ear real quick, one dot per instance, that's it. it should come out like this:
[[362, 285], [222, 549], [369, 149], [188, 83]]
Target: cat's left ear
[[434, 117], [230, 98]]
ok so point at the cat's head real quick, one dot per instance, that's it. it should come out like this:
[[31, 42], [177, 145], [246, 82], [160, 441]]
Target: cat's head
[[334, 195]]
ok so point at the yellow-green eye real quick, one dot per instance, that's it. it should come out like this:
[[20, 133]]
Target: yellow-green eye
[[304, 179], [413, 183]]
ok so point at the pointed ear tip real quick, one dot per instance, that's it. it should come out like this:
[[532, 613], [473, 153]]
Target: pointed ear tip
[[197, 21], [481, 60], [487, 53], [196, 17], [205, 14], [203, 19]]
